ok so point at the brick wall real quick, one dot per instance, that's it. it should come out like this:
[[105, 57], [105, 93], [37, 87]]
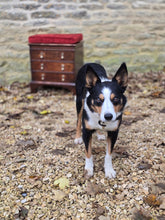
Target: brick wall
[[114, 31]]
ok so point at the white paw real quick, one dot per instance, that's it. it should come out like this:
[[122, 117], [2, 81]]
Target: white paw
[[100, 137], [89, 167], [78, 140], [88, 173], [110, 173]]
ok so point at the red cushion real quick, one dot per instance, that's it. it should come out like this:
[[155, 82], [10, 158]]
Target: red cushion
[[56, 38]]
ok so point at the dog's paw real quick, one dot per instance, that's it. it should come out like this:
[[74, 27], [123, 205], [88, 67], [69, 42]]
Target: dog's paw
[[78, 140], [88, 167], [88, 173], [110, 173]]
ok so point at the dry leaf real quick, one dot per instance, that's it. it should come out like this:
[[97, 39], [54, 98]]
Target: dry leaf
[[30, 97], [23, 212], [16, 114], [157, 189], [62, 182], [2, 89], [99, 209], [1, 157], [144, 166], [98, 150], [62, 134], [162, 199], [156, 94], [34, 177], [121, 152], [127, 113], [59, 152], [141, 215], [93, 189], [45, 112], [59, 195], [27, 144], [152, 200], [24, 132], [162, 111]]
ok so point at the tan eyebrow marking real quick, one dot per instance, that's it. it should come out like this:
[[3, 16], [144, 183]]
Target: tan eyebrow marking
[[112, 96], [101, 96]]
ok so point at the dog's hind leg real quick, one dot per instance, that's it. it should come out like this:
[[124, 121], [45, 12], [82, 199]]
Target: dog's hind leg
[[78, 138]]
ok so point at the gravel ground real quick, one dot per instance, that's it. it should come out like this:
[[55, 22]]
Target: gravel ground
[[42, 171]]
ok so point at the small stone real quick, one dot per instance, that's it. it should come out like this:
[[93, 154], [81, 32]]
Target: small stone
[[46, 179], [23, 200], [24, 194], [59, 195], [69, 175]]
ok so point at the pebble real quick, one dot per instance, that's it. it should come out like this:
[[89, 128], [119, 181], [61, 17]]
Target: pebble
[[137, 198], [69, 175], [23, 201], [20, 186], [46, 179], [22, 166], [24, 194], [115, 186]]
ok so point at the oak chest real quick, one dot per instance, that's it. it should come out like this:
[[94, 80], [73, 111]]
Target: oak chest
[[55, 64]]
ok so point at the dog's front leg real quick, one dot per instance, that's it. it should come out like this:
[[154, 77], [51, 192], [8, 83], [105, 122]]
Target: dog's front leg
[[111, 139], [87, 138]]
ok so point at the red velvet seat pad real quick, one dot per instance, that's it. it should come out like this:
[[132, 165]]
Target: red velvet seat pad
[[55, 38]]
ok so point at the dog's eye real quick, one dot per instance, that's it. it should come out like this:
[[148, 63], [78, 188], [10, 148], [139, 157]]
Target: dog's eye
[[116, 100], [98, 101]]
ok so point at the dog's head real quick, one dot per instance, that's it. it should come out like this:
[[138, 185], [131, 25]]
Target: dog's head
[[106, 97]]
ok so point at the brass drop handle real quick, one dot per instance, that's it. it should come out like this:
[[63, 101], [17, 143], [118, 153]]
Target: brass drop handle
[[42, 66], [62, 67], [41, 55], [42, 76], [62, 55], [63, 78]]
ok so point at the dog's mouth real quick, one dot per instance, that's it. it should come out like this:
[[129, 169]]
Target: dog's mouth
[[102, 123]]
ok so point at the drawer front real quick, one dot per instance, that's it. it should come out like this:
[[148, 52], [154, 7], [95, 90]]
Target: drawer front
[[52, 77], [52, 66], [52, 55]]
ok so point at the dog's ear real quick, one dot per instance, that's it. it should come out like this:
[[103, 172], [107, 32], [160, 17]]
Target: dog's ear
[[121, 77], [91, 78]]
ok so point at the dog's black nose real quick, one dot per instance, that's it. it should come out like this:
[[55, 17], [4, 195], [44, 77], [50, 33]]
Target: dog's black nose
[[108, 116]]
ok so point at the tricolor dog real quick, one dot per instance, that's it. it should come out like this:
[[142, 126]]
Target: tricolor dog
[[100, 103]]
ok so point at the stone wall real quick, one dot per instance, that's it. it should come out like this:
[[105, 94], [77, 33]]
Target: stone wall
[[114, 31]]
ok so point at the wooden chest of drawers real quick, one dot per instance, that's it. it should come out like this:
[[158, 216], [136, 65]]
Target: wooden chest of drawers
[[55, 64]]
